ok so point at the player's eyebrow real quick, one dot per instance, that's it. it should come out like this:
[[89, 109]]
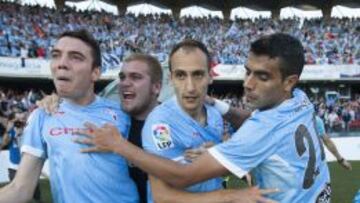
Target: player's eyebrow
[[257, 72], [55, 51]]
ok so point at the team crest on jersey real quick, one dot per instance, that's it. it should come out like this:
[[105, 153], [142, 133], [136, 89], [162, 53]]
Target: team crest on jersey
[[161, 136]]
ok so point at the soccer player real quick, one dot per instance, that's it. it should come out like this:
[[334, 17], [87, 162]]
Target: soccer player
[[74, 177], [330, 144], [139, 87], [191, 123], [278, 142]]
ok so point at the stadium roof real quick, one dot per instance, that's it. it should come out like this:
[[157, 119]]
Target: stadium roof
[[260, 5]]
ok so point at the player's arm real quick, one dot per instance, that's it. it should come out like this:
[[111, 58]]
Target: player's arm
[[22, 188], [164, 193], [332, 148], [235, 116], [108, 139]]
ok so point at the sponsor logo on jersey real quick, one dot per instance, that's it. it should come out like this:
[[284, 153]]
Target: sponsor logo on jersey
[[60, 113], [161, 136], [62, 131]]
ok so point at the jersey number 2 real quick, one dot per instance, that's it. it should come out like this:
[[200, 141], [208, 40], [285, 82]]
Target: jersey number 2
[[310, 172]]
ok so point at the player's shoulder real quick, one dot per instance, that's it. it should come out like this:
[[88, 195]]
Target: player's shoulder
[[38, 113], [107, 103], [161, 112], [111, 107], [265, 118], [213, 111]]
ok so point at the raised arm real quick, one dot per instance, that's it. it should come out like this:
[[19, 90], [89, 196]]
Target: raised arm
[[235, 116], [22, 188]]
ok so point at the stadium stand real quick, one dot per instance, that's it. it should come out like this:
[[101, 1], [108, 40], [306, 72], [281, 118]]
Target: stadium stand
[[31, 30]]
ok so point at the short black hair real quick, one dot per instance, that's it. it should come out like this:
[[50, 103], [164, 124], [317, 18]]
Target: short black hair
[[285, 47], [191, 44], [88, 39]]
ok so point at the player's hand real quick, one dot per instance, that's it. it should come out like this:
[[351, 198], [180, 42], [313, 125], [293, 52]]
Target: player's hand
[[346, 165], [49, 103], [192, 154], [104, 139], [251, 195]]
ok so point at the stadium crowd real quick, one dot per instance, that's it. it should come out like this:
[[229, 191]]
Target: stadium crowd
[[15, 105], [337, 115], [31, 30]]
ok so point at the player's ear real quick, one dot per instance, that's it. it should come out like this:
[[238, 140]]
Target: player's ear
[[290, 82], [95, 74], [156, 87]]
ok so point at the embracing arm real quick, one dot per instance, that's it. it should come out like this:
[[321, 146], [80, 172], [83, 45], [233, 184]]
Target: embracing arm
[[164, 193], [176, 174], [235, 116], [22, 188], [108, 139]]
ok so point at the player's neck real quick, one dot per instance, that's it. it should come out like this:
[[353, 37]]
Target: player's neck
[[199, 115], [85, 100], [141, 116]]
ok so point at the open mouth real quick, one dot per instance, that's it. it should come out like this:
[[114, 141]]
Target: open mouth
[[128, 95]]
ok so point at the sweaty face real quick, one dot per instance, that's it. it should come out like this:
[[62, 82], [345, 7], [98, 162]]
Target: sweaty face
[[264, 87], [137, 91], [72, 69], [190, 78]]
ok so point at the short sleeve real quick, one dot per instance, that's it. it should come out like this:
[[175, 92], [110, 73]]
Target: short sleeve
[[33, 141], [247, 148]]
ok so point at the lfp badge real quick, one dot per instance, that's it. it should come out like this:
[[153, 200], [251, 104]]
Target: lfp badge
[[161, 136]]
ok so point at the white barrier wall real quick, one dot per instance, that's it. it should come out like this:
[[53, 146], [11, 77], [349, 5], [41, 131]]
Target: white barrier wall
[[348, 147], [35, 68]]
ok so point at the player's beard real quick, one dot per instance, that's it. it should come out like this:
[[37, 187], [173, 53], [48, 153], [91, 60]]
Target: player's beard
[[247, 105]]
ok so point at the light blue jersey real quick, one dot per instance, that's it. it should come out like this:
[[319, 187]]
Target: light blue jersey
[[75, 176], [281, 147], [169, 131], [320, 128]]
